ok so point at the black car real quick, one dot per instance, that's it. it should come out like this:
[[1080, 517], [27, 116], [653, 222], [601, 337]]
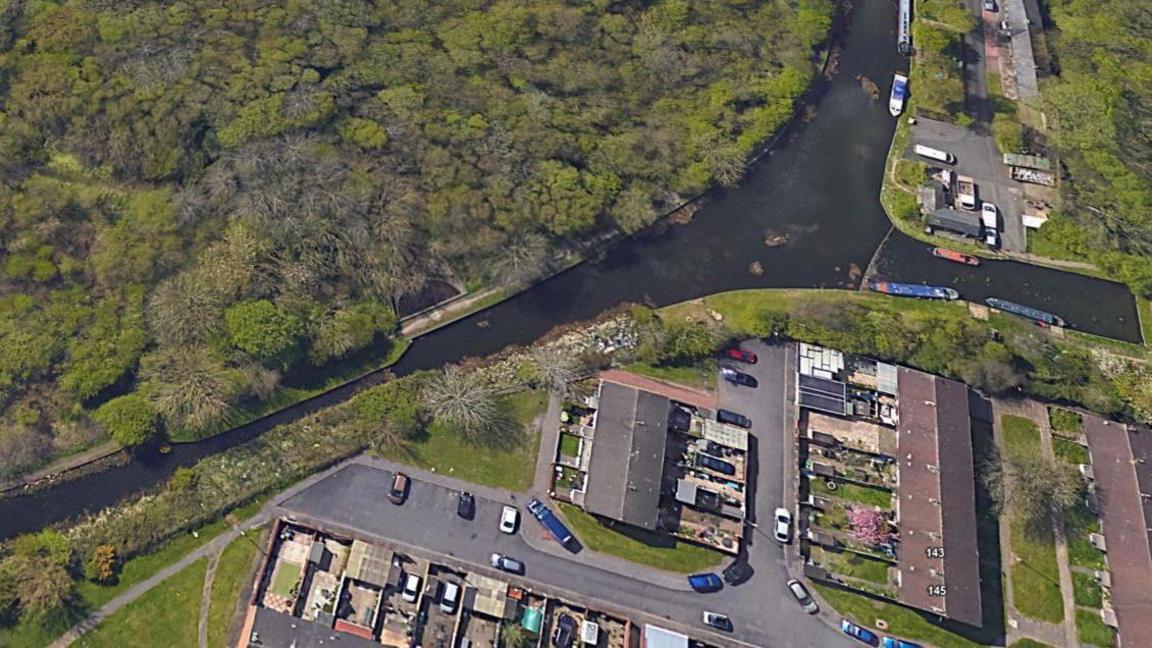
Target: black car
[[565, 632], [737, 377], [732, 418], [466, 505], [737, 573]]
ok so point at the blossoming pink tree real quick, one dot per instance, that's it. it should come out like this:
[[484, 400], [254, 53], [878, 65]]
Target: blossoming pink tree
[[868, 526]]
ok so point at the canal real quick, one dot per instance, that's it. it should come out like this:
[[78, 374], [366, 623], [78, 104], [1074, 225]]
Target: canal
[[818, 189]]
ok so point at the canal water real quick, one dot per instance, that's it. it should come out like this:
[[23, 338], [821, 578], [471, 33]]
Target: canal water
[[817, 190]]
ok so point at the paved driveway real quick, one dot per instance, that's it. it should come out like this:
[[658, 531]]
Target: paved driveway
[[351, 500]]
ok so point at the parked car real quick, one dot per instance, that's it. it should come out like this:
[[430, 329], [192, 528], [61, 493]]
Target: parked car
[[732, 418], [990, 5], [740, 355], [716, 465], [509, 518], [504, 563], [858, 633], [893, 642], [565, 632], [992, 238], [800, 593], [705, 583], [718, 621], [782, 529], [399, 491], [411, 590], [449, 597], [737, 377], [466, 505], [737, 573]]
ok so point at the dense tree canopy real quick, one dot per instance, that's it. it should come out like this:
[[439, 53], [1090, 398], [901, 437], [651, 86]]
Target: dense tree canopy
[[1101, 111], [197, 194]]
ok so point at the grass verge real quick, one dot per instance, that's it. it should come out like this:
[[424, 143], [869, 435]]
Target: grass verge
[[699, 376], [170, 611], [1086, 590], [653, 549], [1070, 451], [902, 622], [233, 572]]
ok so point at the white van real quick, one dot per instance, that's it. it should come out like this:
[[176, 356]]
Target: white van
[[934, 154], [449, 597]]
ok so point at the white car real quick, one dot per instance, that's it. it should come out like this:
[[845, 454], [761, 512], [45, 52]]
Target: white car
[[992, 238], [782, 529], [411, 588], [509, 518]]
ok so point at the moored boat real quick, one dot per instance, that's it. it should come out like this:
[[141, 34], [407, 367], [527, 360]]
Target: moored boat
[[913, 290], [955, 257], [899, 92], [1034, 314]]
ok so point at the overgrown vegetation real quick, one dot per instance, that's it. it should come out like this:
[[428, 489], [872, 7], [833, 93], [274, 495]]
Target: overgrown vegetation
[[1099, 108], [937, 75], [200, 197]]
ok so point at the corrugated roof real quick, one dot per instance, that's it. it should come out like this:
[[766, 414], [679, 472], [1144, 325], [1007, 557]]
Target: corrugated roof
[[627, 461], [369, 563], [961, 222], [726, 435]]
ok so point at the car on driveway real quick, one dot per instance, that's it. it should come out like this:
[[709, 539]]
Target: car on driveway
[[858, 633], [732, 418], [705, 583], [800, 593], [893, 642], [509, 518], [740, 355], [737, 377], [504, 563], [449, 597], [782, 526], [399, 491], [411, 590], [565, 632], [990, 5], [718, 621], [738, 573], [466, 505]]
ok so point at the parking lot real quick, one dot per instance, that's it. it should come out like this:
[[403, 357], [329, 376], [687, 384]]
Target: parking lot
[[977, 156]]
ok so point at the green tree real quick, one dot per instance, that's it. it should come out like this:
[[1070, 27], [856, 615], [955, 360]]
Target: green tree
[[130, 419], [40, 585], [264, 330]]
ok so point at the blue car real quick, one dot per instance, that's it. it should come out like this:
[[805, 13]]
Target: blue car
[[858, 633], [892, 642], [705, 583]]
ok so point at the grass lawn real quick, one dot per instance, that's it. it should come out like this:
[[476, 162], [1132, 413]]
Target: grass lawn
[[233, 572], [652, 549], [1035, 576], [854, 566], [861, 494], [569, 445], [509, 464], [1021, 436], [701, 375], [285, 579], [1091, 630], [1078, 523], [1028, 643], [1065, 422], [1070, 451], [1087, 590], [169, 614], [902, 621]]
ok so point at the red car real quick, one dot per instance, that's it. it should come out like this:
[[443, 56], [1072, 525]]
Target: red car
[[741, 355]]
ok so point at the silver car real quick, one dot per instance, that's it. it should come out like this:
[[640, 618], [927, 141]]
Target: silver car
[[803, 597]]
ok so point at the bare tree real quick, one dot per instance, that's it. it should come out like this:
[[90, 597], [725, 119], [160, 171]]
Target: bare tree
[[525, 259], [183, 311], [189, 387], [460, 399], [555, 368], [1034, 487]]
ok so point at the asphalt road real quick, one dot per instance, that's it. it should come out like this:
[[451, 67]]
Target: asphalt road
[[351, 501]]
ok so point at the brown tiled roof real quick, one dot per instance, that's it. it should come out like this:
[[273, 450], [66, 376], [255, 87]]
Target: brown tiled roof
[[627, 462], [1120, 480], [937, 502]]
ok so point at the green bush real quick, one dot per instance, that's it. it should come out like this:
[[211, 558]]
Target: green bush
[[130, 419]]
